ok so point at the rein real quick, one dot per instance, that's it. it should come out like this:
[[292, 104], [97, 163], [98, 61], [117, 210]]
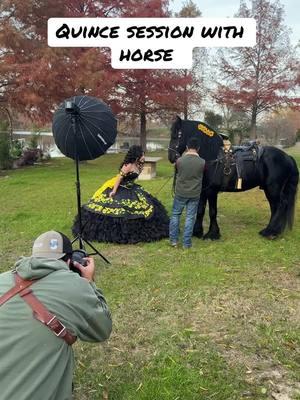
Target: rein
[[175, 151], [163, 185]]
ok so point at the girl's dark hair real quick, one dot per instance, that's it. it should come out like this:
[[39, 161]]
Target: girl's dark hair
[[134, 153]]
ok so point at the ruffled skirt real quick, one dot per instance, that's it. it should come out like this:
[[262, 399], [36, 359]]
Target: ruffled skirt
[[133, 215]]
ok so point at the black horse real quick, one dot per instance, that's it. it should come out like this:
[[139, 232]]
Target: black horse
[[270, 168]]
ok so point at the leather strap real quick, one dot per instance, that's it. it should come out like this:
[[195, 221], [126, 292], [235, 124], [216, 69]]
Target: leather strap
[[14, 290], [40, 312]]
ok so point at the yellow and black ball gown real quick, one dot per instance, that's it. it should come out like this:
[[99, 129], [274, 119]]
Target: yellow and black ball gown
[[133, 215]]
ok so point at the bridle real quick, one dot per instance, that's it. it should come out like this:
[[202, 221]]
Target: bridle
[[175, 151], [179, 136]]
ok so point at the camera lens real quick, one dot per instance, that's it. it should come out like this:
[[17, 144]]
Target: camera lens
[[79, 255]]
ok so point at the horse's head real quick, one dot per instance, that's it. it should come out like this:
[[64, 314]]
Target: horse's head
[[177, 143], [182, 130]]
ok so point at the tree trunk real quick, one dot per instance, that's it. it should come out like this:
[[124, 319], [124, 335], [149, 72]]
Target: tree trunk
[[143, 138], [253, 133], [185, 106], [6, 110], [185, 99]]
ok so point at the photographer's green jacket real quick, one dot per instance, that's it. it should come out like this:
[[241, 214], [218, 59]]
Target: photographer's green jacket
[[34, 363]]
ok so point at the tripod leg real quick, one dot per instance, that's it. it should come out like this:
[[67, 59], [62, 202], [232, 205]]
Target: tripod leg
[[81, 246], [96, 251], [74, 240]]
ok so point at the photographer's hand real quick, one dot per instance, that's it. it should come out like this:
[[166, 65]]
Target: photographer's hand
[[87, 272]]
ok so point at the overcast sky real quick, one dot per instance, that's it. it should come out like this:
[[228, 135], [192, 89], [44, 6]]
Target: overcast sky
[[227, 8]]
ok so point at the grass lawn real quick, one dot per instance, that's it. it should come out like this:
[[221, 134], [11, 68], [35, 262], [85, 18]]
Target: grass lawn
[[220, 321]]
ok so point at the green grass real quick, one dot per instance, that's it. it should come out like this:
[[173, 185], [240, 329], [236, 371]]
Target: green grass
[[220, 321]]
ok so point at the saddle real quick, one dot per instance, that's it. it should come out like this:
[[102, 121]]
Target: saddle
[[237, 156]]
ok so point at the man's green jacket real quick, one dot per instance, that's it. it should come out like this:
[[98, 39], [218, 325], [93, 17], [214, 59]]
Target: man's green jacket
[[34, 363]]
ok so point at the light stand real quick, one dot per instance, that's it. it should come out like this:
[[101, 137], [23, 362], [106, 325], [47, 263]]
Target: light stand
[[74, 112]]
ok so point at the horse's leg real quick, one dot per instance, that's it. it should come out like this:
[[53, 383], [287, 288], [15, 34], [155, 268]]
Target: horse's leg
[[214, 231], [198, 227], [281, 180], [273, 228]]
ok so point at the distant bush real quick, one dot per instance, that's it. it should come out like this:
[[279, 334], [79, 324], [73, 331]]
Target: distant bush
[[14, 155], [16, 150], [33, 143], [29, 157]]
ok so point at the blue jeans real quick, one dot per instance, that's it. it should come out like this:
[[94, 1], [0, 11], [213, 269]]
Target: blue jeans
[[191, 214]]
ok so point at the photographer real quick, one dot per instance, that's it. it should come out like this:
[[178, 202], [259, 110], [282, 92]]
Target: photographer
[[44, 308]]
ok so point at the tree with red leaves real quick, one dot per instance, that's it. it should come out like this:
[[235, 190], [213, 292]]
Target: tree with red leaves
[[262, 78], [153, 92], [34, 78], [144, 93]]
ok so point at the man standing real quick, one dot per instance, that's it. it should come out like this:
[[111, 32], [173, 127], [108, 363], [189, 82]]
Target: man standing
[[44, 308], [188, 187]]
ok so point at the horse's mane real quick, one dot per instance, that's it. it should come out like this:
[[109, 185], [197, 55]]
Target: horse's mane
[[210, 141]]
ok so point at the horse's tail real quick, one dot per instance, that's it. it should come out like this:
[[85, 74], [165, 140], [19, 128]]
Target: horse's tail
[[288, 195]]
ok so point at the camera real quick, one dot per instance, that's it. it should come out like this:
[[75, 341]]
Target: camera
[[78, 256]]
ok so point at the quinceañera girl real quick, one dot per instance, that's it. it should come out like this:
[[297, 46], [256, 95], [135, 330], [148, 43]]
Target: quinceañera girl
[[121, 211]]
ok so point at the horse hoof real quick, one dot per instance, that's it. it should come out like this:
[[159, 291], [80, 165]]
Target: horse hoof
[[268, 234], [271, 237], [210, 236], [198, 234], [262, 232]]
